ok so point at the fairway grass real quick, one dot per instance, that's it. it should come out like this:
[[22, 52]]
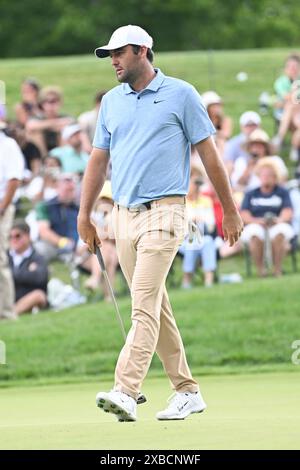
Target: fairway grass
[[258, 411]]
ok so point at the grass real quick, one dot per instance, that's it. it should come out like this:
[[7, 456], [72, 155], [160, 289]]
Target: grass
[[81, 76], [233, 329], [246, 412], [229, 328]]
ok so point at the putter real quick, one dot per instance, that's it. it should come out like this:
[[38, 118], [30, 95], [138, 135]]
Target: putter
[[141, 398]]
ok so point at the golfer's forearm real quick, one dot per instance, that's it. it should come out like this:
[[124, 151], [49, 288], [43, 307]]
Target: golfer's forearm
[[217, 173], [94, 177]]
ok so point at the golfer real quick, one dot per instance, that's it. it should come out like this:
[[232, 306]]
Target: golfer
[[146, 125]]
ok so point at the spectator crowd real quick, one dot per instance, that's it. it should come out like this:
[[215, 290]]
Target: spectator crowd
[[43, 156]]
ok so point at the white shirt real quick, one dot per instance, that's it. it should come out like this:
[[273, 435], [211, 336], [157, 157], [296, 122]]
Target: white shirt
[[11, 162], [19, 257]]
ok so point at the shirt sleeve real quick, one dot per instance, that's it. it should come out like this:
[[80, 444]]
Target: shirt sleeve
[[246, 205], [282, 86], [195, 121], [42, 212], [286, 200], [14, 165], [102, 136]]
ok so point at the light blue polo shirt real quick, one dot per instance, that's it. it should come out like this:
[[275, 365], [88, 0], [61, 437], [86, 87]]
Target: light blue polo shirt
[[148, 135]]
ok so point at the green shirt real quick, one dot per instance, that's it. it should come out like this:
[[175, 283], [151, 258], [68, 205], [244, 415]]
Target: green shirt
[[283, 86], [72, 161]]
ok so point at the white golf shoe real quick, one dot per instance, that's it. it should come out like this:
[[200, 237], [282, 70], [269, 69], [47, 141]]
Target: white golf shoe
[[118, 403], [181, 405]]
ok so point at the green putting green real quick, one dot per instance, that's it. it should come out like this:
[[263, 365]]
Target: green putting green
[[259, 411]]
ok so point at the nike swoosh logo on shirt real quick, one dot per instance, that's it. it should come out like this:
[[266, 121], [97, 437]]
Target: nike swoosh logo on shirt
[[158, 101]]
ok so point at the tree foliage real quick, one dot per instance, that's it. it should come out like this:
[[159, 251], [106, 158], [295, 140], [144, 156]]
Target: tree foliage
[[33, 27]]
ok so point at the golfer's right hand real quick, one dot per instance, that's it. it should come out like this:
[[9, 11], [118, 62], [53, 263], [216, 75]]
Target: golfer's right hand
[[87, 232]]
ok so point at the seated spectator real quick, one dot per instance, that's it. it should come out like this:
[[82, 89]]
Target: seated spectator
[[45, 130], [223, 124], [235, 147], [291, 121], [267, 208], [44, 186], [283, 84], [101, 217], [73, 159], [258, 146], [29, 269], [29, 106], [32, 154], [200, 212], [57, 220], [88, 120]]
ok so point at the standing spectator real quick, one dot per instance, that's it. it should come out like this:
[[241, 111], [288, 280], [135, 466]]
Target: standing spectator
[[45, 130], [223, 124], [234, 147], [11, 173], [57, 220], [71, 155], [269, 208], [29, 106], [29, 269]]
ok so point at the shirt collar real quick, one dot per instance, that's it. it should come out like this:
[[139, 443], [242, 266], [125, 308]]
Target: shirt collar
[[154, 85], [19, 257]]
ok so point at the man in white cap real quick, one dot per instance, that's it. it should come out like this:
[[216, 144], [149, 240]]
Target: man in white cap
[[71, 155], [147, 126], [235, 147]]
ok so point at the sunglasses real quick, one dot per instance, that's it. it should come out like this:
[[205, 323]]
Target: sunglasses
[[15, 236]]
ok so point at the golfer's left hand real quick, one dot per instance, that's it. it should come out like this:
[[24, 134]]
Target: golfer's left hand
[[232, 227], [87, 232]]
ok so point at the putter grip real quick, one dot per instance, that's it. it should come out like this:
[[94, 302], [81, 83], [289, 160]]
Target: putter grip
[[100, 258]]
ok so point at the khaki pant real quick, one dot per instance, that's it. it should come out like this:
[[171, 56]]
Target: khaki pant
[[7, 291], [147, 243]]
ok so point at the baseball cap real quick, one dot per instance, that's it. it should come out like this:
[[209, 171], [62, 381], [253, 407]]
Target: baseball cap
[[211, 97], [70, 130], [250, 117], [123, 36]]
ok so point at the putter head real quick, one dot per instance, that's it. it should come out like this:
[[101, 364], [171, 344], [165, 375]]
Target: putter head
[[141, 399]]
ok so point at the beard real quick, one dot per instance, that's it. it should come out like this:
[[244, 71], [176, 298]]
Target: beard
[[128, 76]]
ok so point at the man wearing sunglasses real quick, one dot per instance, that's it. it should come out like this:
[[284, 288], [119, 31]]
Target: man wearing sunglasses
[[30, 271]]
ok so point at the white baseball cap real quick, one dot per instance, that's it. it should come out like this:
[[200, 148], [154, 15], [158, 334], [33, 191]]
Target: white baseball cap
[[250, 117], [211, 97], [70, 130], [123, 36]]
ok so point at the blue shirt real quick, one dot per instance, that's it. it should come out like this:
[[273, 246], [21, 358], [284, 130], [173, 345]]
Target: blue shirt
[[259, 203], [148, 135], [234, 148]]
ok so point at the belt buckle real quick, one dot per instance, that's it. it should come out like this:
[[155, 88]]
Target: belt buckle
[[140, 207]]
